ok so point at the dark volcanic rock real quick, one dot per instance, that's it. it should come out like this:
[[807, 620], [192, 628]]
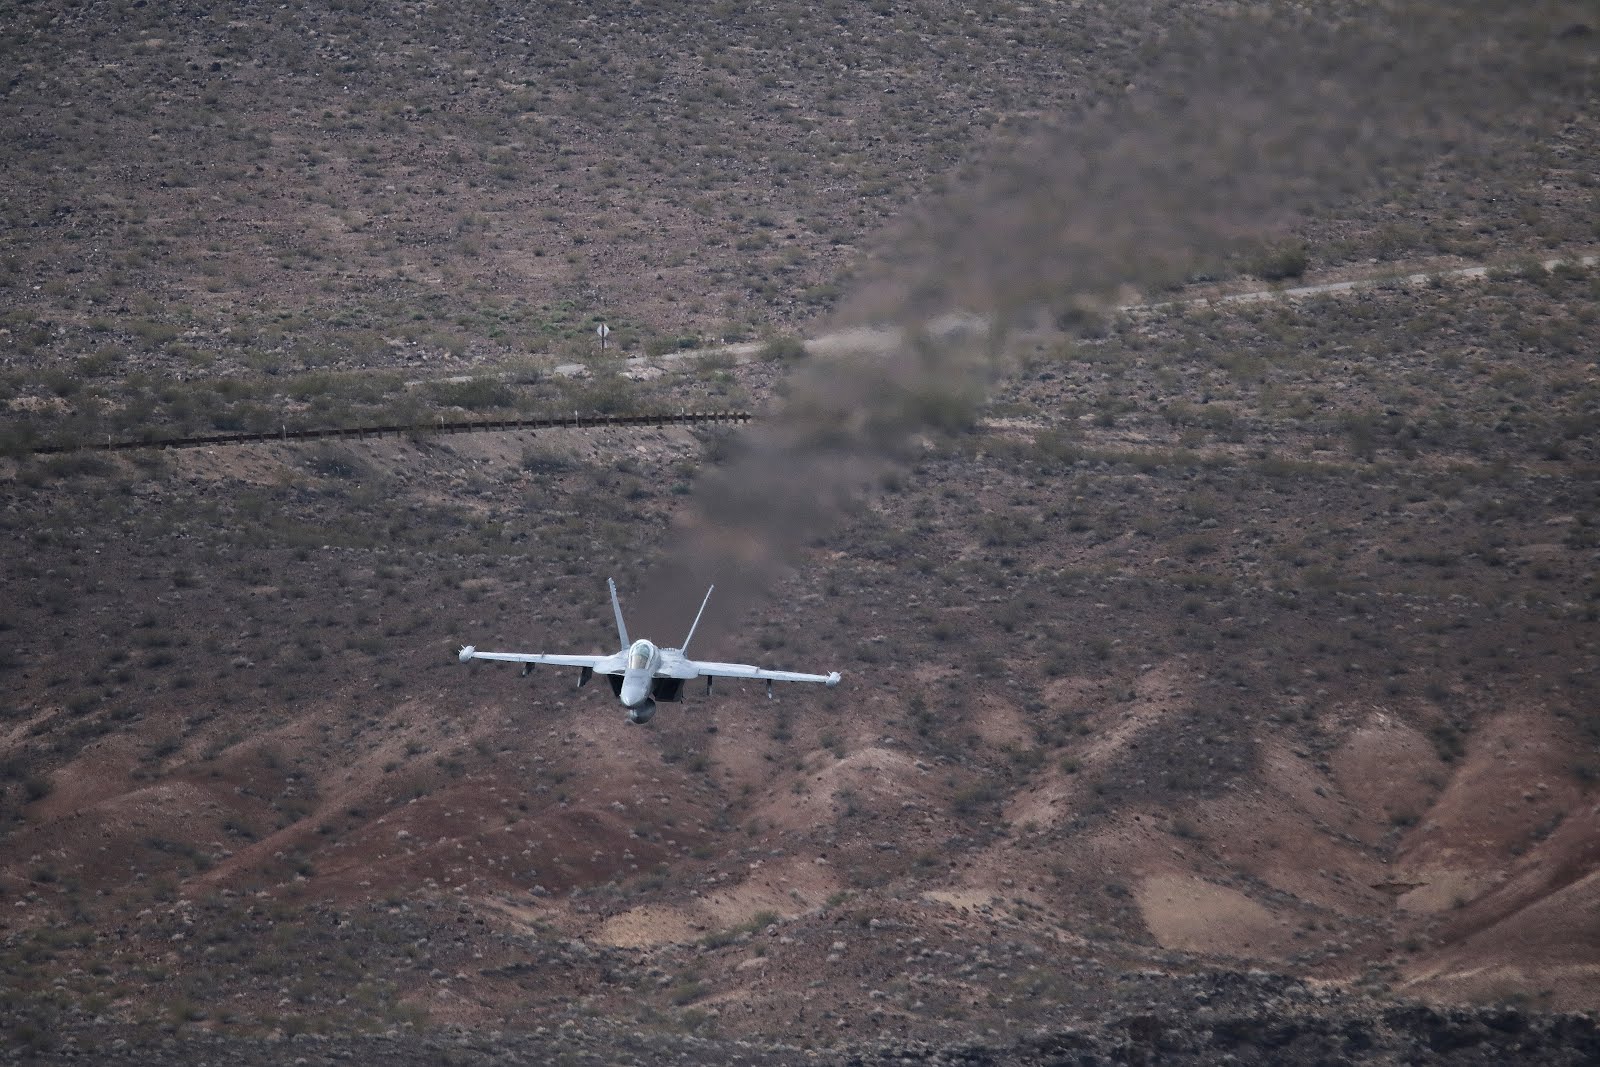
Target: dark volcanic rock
[[1294, 1030]]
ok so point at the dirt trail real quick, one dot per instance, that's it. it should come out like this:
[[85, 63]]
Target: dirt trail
[[1349, 285], [885, 338]]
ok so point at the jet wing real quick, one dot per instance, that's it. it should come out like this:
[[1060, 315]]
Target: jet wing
[[745, 670], [612, 664]]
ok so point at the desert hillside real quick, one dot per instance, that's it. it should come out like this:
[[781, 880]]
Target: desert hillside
[[1218, 675]]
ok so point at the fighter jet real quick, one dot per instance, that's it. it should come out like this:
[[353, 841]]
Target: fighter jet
[[643, 674]]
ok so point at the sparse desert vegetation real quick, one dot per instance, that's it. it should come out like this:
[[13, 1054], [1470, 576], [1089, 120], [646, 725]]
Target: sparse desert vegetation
[[1218, 677]]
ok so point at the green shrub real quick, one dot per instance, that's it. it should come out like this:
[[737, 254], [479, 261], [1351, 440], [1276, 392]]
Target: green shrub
[[784, 349], [1280, 263], [478, 394]]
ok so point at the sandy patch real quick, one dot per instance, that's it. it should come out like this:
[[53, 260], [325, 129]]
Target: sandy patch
[[786, 891], [1444, 888], [1192, 915], [1560, 932], [961, 899], [643, 927], [1554, 987], [737, 904], [1387, 770]]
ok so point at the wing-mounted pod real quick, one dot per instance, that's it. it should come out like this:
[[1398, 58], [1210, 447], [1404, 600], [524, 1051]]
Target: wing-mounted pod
[[585, 673]]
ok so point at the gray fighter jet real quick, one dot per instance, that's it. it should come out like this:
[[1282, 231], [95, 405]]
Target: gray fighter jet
[[643, 674]]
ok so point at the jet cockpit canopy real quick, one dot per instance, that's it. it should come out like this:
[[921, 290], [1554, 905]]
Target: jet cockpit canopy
[[640, 655]]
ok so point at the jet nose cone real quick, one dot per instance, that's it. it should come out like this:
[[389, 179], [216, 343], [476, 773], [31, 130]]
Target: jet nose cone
[[635, 690]]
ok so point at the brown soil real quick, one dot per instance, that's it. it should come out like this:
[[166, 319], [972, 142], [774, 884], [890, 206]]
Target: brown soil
[[1217, 680]]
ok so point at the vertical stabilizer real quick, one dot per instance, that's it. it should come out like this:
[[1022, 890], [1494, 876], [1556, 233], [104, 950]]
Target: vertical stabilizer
[[696, 623], [616, 608]]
